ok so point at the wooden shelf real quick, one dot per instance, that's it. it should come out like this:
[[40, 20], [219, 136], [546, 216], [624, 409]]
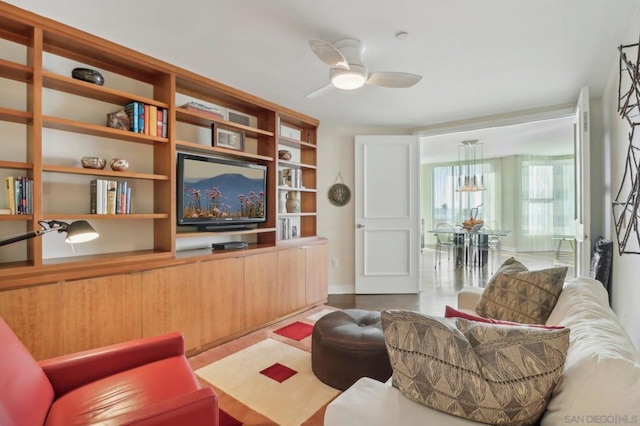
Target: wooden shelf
[[294, 143], [15, 116], [295, 165], [96, 172], [15, 165], [303, 214], [205, 120], [16, 217], [14, 71], [89, 90], [190, 146], [289, 188], [132, 216], [101, 131]]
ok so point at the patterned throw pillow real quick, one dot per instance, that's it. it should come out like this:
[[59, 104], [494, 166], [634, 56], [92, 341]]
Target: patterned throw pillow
[[516, 294], [483, 372]]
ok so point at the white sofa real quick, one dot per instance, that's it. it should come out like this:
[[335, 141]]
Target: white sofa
[[600, 382]]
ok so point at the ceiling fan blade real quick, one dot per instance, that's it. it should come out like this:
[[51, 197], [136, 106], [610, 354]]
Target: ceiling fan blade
[[328, 54], [318, 92], [393, 79]]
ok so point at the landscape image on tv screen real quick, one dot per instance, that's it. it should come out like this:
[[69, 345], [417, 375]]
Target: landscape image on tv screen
[[225, 191]]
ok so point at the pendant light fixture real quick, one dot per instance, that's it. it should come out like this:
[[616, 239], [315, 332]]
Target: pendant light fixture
[[470, 167]]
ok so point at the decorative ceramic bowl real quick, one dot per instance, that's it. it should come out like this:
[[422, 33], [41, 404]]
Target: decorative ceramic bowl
[[87, 74], [119, 164], [283, 154], [93, 162]]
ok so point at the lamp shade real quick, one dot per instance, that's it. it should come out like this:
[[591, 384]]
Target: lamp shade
[[80, 232]]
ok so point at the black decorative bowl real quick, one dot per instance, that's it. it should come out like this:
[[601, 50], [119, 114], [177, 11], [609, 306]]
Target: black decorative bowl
[[86, 74]]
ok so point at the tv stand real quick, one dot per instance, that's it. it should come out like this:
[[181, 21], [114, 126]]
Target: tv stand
[[223, 228]]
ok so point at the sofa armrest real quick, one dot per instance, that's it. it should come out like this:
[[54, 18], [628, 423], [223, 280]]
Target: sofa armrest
[[68, 372], [196, 408], [468, 298]]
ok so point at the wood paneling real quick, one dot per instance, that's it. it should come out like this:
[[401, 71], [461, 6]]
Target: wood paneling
[[291, 264], [317, 273], [101, 311], [35, 316], [171, 302], [261, 289], [221, 298]]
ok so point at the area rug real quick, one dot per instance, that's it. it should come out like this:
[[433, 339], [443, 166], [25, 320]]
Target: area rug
[[265, 378]]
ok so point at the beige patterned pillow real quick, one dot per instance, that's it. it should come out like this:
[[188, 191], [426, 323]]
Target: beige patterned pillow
[[516, 294], [488, 373]]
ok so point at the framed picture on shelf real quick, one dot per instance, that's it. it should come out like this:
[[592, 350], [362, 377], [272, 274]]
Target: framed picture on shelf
[[227, 137]]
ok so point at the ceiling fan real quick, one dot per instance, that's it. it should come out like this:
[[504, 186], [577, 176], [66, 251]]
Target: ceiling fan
[[348, 71]]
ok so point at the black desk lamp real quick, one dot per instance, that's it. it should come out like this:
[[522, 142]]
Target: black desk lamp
[[77, 232]]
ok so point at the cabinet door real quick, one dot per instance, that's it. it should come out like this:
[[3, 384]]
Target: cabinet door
[[35, 315], [291, 264], [101, 311], [222, 298], [317, 273], [260, 289], [171, 302]]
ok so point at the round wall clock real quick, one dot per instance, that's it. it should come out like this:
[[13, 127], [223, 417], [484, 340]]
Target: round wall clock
[[339, 194]]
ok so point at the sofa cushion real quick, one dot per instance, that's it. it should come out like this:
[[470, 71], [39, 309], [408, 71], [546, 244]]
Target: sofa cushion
[[483, 372], [601, 377], [450, 312], [516, 294]]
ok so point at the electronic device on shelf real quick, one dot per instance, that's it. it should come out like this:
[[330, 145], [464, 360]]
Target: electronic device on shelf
[[217, 194], [230, 245]]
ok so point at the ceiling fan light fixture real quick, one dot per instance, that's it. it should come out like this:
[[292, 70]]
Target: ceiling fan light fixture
[[348, 80]]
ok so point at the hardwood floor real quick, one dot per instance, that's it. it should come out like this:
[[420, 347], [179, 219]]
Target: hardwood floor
[[440, 286]]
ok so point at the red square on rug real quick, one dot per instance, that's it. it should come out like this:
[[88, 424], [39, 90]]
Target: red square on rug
[[296, 331], [226, 419], [278, 372]]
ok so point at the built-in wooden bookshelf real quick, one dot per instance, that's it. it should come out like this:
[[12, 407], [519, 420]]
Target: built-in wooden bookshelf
[[45, 128]]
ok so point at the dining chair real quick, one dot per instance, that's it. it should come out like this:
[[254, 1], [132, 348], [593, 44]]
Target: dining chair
[[444, 239]]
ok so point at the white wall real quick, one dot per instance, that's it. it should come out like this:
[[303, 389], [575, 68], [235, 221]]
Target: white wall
[[626, 268], [336, 155]]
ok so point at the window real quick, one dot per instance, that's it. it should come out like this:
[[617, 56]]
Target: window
[[547, 195]]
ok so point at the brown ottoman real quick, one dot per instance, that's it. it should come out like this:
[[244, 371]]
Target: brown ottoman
[[347, 345]]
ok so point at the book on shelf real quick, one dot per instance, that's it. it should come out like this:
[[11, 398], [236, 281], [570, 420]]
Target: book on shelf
[[133, 111], [285, 228], [9, 192], [153, 120], [19, 194], [109, 197], [165, 120], [205, 109]]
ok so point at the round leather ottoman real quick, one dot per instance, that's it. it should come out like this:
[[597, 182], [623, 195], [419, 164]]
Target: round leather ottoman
[[347, 345]]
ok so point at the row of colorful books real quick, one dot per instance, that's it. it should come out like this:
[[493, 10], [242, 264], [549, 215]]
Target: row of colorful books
[[147, 119], [18, 193], [110, 197]]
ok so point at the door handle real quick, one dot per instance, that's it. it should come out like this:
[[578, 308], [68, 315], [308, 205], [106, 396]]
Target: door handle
[[359, 226]]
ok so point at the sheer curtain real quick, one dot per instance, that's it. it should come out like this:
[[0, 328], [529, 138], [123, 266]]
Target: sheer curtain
[[547, 187], [450, 206]]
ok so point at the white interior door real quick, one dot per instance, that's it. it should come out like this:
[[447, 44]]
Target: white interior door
[[387, 215], [583, 186]]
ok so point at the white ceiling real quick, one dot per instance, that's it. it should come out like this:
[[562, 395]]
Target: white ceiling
[[478, 58]]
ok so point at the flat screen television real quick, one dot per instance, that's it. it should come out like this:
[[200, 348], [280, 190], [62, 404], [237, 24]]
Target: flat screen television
[[219, 194]]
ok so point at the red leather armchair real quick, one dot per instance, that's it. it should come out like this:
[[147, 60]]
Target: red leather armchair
[[143, 382]]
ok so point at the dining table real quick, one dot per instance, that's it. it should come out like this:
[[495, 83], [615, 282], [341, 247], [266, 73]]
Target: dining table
[[465, 239]]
